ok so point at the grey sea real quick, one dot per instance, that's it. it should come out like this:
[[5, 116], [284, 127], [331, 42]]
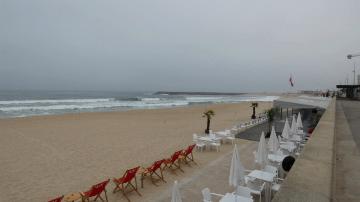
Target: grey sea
[[34, 103]]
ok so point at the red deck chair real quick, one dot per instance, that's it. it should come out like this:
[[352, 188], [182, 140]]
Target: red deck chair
[[125, 182], [310, 130], [187, 154], [96, 191], [173, 161], [151, 171], [58, 199]]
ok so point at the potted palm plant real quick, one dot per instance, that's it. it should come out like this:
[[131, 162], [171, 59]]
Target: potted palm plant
[[254, 105], [208, 115], [270, 115]]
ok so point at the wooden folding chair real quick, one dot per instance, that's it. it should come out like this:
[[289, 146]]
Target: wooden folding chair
[[58, 199], [187, 154], [121, 184], [96, 191], [151, 171], [173, 161]]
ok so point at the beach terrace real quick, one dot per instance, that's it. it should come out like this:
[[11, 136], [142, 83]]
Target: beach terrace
[[208, 165], [48, 156]]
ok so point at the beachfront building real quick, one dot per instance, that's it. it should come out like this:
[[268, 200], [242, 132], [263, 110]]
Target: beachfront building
[[350, 91]]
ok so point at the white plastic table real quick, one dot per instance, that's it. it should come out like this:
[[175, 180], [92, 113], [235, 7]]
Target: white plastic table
[[276, 158], [206, 138], [230, 197], [290, 148], [262, 175], [209, 139], [222, 133]]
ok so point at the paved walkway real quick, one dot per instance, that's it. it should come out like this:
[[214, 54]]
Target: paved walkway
[[352, 114], [254, 133], [347, 172], [215, 175]]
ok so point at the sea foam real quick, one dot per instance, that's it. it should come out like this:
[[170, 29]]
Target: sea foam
[[28, 107]]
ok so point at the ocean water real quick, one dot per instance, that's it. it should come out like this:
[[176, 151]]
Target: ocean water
[[34, 103]]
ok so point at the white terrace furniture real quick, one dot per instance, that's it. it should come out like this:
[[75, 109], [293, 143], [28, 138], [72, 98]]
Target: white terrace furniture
[[211, 141], [256, 187], [231, 138], [289, 147], [235, 130], [223, 134], [199, 144], [276, 157], [266, 177], [227, 136], [295, 138], [271, 169], [275, 186], [216, 144], [230, 197], [209, 138], [243, 191], [207, 195], [300, 132]]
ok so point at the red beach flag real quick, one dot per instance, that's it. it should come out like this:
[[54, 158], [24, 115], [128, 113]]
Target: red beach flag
[[291, 81]]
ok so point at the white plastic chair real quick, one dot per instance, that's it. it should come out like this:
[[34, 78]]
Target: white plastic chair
[[271, 169], [195, 137], [199, 144], [256, 187], [243, 191], [279, 152], [275, 187], [231, 138], [234, 130], [216, 144], [207, 195]]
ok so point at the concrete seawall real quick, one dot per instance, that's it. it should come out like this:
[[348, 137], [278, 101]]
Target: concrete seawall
[[311, 177]]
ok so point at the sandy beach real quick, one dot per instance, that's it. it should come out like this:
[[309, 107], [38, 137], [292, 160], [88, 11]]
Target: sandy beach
[[47, 156]]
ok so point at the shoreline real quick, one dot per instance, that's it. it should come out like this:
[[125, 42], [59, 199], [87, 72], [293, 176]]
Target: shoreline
[[125, 110]]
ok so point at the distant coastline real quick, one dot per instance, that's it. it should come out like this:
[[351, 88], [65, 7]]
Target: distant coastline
[[194, 93]]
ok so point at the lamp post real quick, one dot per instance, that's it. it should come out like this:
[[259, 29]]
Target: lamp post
[[349, 57], [352, 55]]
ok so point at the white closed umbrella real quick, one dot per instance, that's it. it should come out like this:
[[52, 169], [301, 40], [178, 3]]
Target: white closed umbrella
[[273, 143], [299, 124], [286, 130], [175, 194], [262, 154], [293, 129], [236, 176]]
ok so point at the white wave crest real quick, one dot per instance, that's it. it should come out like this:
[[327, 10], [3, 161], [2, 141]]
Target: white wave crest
[[112, 104], [18, 102], [150, 99]]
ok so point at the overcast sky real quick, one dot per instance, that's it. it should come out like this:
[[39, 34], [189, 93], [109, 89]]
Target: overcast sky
[[202, 45]]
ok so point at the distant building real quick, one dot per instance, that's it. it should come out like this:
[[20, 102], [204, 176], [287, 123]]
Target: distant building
[[311, 92], [350, 91]]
